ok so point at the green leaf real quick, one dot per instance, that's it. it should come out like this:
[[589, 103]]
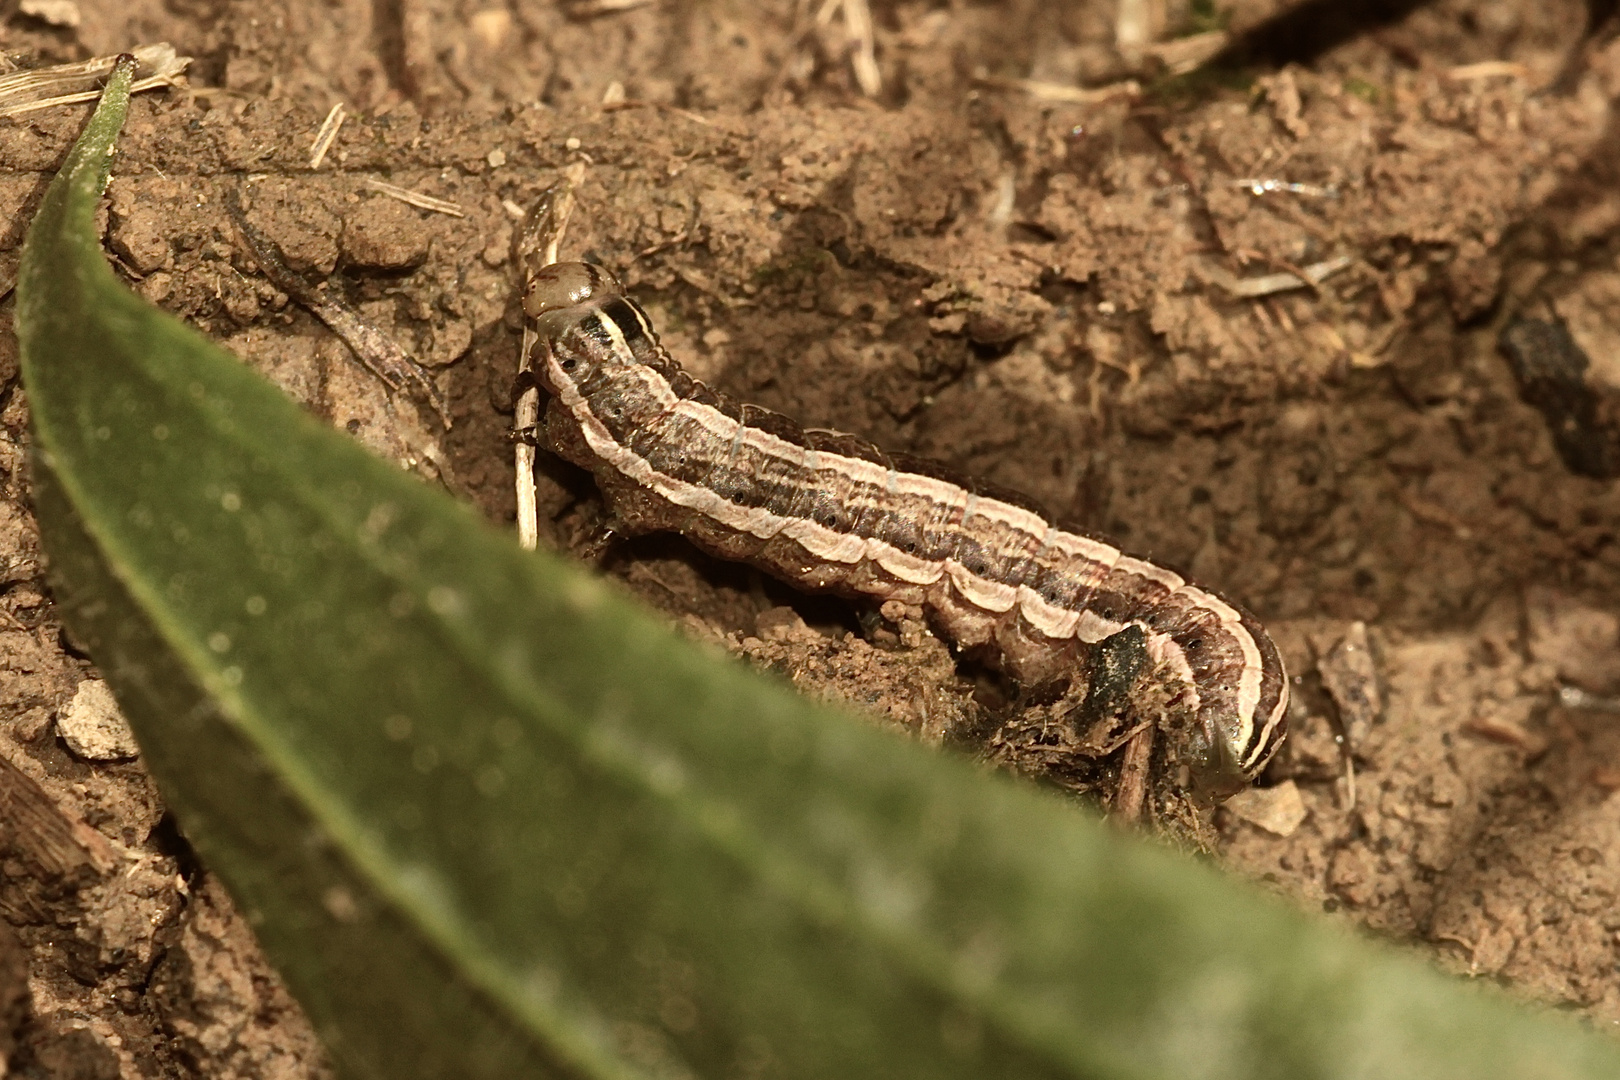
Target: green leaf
[[490, 821]]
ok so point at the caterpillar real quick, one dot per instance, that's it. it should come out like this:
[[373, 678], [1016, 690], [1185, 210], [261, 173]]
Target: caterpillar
[[824, 510]]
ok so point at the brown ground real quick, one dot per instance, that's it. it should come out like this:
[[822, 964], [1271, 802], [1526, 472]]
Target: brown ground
[[1033, 291]]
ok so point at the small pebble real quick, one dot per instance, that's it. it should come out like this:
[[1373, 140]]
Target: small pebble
[[1278, 810], [92, 726]]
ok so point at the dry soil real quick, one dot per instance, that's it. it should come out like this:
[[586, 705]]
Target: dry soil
[[1047, 293]]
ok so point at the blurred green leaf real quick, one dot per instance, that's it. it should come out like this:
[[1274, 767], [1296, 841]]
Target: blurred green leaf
[[490, 821]]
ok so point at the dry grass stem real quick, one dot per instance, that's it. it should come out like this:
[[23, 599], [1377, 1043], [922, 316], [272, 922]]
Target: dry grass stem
[[1265, 285], [1488, 69], [589, 9], [67, 84], [673, 110], [542, 236], [863, 58], [1069, 95], [416, 199], [1269, 186], [1182, 55], [328, 134]]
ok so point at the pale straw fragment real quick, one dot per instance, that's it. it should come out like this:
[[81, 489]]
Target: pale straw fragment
[[587, 9], [68, 84], [1068, 95], [328, 134], [1488, 69], [415, 198], [1181, 55], [526, 414], [862, 41], [858, 25], [1250, 288]]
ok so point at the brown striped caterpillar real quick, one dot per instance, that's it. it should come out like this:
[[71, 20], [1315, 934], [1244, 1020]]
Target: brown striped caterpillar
[[824, 510]]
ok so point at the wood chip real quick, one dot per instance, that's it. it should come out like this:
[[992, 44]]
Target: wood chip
[[34, 826], [1131, 795]]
